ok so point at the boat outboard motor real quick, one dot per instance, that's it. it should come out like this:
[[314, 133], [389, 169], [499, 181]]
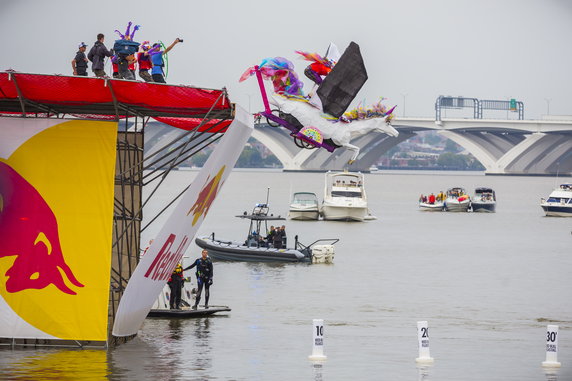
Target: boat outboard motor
[[323, 254]]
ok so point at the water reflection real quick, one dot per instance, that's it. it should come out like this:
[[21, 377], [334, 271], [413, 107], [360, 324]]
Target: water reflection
[[318, 369], [551, 374], [175, 329], [424, 372], [203, 359], [53, 364]]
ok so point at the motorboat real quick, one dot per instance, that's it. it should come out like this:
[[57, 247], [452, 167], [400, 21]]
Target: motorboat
[[256, 249], [457, 200], [431, 203], [304, 206], [437, 206], [559, 203], [484, 200], [344, 197]]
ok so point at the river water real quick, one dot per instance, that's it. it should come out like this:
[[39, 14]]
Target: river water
[[487, 284]]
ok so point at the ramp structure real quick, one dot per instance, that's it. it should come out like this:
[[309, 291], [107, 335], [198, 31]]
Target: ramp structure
[[204, 115]]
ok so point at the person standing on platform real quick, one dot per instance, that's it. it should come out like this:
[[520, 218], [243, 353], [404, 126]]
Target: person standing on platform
[[176, 282], [158, 61], [204, 275], [97, 55], [79, 63], [145, 65]]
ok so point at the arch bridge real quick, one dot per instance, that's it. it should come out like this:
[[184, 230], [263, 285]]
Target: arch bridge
[[504, 147]]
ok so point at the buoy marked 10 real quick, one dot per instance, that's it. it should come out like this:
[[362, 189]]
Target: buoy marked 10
[[423, 338], [551, 347], [318, 342]]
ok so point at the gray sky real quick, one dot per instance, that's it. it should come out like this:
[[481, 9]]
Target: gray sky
[[414, 50]]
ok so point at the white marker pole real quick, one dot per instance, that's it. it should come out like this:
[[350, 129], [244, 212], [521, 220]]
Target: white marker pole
[[318, 345], [423, 337], [551, 347]]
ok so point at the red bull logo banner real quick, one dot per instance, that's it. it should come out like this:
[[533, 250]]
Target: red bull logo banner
[[174, 238], [56, 215]]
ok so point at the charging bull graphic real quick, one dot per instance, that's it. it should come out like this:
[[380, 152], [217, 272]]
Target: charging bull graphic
[[29, 231]]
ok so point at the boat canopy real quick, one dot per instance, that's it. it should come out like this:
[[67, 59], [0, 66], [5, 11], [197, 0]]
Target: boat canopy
[[260, 218], [184, 107], [484, 190], [304, 196]]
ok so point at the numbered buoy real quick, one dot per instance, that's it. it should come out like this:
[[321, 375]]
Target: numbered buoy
[[551, 347], [318, 343], [423, 338]]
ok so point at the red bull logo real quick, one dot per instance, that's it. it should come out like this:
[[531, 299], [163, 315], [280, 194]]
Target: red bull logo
[[206, 196], [29, 231]]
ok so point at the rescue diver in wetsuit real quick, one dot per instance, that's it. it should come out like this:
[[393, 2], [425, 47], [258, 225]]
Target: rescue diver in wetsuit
[[204, 275]]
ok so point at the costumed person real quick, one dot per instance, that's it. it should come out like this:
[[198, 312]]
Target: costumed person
[[97, 55], [176, 282], [144, 60], [281, 72], [125, 49], [133, 65], [158, 60], [79, 63], [204, 273], [115, 67], [320, 67]]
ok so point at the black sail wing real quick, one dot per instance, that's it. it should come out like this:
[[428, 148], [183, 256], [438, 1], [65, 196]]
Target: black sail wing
[[342, 84]]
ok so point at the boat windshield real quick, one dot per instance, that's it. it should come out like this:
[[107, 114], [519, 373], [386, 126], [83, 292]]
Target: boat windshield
[[356, 193], [305, 198], [560, 200]]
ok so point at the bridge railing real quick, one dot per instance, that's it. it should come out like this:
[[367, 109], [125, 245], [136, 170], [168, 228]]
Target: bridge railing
[[447, 102]]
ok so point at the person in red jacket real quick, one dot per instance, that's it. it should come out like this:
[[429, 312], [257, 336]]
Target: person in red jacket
[[145, 65], [431, 198]]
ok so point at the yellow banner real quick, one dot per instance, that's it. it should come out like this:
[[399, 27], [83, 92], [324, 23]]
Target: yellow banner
[[56, 216]]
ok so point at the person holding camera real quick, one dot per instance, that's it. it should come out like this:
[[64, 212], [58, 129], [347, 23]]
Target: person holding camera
[[204, 275], [158, 62]]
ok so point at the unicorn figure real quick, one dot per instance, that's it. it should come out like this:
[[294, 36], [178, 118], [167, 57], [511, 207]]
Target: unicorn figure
[[321, 119], [340, 133]]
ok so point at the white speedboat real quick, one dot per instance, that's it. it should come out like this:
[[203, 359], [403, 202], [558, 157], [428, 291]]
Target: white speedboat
[[484, 200], [304, 206], [457, 200], [559, 203], [437, 206], [344, 197]]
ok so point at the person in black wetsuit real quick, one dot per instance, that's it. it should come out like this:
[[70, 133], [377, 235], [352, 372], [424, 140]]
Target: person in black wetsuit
[[204, 275], [176, 282]]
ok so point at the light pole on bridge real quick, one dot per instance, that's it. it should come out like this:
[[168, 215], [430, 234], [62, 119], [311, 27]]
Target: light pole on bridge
[[404, 95], [547, 105]]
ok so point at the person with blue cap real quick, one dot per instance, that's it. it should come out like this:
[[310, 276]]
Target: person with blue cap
[[79, 63]]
